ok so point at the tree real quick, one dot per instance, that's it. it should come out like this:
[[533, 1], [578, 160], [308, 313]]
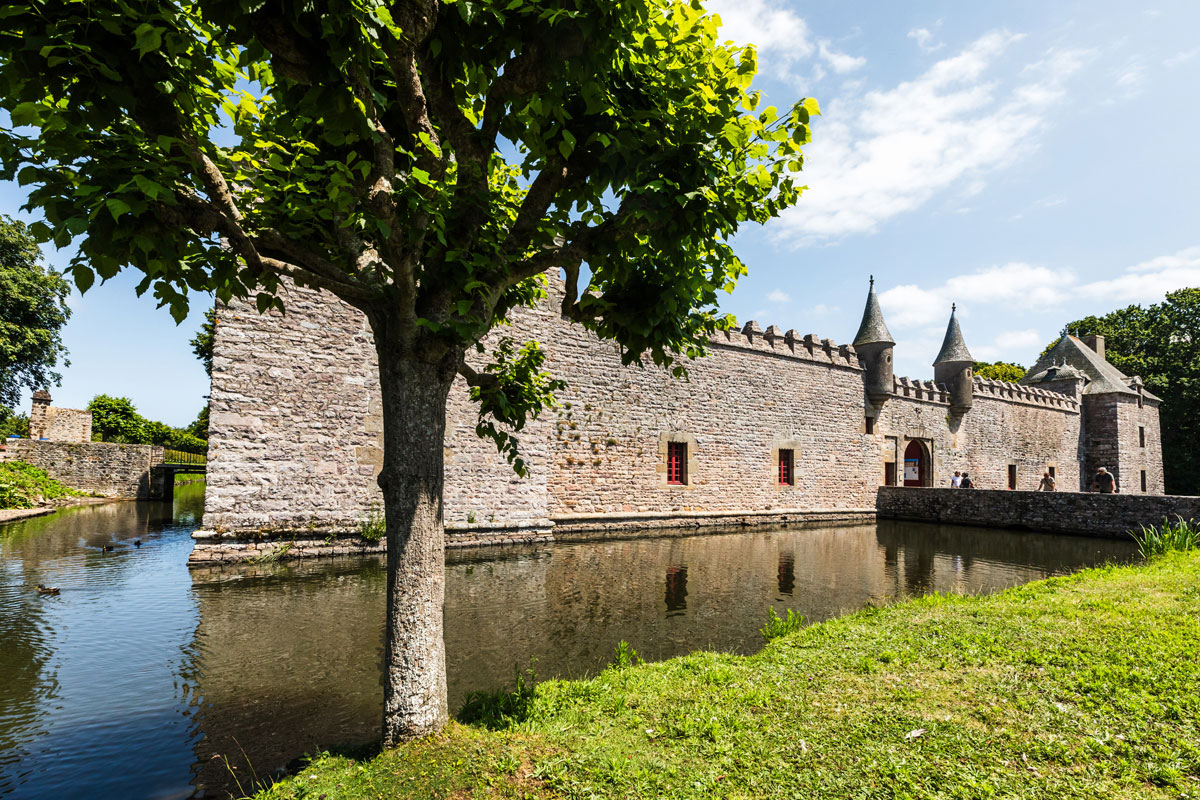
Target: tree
[[202, 342], [1161, 343], [999, 371], [33, 310], [115, 419], [426, 162], [199, 427]]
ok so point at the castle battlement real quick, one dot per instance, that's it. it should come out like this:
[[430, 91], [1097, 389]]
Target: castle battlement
[[914, 389], [789, 344], [1029, 395]]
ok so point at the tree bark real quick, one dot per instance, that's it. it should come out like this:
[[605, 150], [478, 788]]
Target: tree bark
[[414, 387]]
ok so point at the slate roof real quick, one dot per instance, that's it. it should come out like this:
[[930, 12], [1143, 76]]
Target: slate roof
[[873, 330], [1103, 377], [953, 346]]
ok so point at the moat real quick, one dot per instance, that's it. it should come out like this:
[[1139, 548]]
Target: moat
[[145, 679]]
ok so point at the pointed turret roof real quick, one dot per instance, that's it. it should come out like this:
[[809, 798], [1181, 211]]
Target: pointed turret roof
[[872, 330], [953, 347]]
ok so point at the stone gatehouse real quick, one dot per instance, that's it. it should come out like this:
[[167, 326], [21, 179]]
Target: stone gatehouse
[[771, 427]]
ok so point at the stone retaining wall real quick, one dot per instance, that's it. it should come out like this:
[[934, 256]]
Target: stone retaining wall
[[1089, 514], [104, 468]]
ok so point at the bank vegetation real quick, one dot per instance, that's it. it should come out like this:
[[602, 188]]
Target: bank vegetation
[[1075, 687]]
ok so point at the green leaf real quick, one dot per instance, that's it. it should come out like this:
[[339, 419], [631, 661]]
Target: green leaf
[[147, 38], [25, 114], [117, 207]]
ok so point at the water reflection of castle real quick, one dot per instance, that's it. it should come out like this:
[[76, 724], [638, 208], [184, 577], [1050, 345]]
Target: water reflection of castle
[[562, 608]]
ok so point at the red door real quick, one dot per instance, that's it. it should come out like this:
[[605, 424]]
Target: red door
[[916, 466]]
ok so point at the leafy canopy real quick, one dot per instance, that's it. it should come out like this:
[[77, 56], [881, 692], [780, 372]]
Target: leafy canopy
[[202, 342], [999, 371], [33, 311], [1161, 343], [426, 162]]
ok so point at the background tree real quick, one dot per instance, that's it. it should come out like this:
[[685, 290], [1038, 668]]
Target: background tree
[[115, 419], [1161, 343], [426, 162], [33, 310], [999, 371], [202, 342]]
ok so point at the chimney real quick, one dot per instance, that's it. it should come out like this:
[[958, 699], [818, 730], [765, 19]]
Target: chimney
[[1096, 342]]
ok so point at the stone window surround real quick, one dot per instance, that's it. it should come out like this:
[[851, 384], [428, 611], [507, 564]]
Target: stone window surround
[[797, 447], [660, 470]]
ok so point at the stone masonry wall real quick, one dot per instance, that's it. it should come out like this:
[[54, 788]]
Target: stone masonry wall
[[1091, 514], [112, 470], [295, 433], [1007, 425], [60, 424]]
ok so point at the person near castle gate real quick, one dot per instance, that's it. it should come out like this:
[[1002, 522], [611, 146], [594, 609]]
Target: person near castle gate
[[966, 482], [956, 481], [1104, 482], [1047, 484]]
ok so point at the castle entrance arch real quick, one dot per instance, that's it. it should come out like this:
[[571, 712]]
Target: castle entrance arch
[[916, 464]]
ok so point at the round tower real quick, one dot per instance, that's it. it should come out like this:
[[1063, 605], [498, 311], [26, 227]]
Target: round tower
[[955, 367], [874, 347]]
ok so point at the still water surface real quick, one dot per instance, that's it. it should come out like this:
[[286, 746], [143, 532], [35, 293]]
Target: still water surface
[[145, 679]]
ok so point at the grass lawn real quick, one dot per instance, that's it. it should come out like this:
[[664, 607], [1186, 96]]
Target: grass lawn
[[24, 485], [1080, 687]]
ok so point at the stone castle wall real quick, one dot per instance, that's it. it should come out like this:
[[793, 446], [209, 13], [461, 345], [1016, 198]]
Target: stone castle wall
[[59, 424], [1090, 514], [295, 434], [104, 468]]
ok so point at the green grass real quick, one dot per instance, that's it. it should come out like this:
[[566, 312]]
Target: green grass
[[23, 485], [1085, 686]]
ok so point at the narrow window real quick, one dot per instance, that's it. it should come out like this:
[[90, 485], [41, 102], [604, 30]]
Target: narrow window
[[677, 463], [1143, 480], [1012, 476], [1051, 471], [1142, 435], [870, 425], [787, 467], [889, 473]]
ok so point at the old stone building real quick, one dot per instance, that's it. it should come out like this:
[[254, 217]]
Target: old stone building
[[771, 427], [58, 424]]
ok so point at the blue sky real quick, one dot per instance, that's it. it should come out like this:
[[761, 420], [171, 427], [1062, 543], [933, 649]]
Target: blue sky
[[1033, 162]]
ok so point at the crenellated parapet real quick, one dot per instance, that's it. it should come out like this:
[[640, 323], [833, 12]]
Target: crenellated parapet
[[1027, 395], [927, 391], [788, 344]]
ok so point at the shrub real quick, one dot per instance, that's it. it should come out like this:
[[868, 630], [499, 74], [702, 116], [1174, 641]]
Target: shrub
[[24, 485], [781, 626], [1157, 540]]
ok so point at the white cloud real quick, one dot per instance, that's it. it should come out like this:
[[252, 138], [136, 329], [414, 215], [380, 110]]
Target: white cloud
[[1148, 281], [1016, 284], [1011, 346], [925, 40], [839, 62], [782, 37], [890, 151], [1130, 77], [778, 296], [1181, 58], [823, 310]]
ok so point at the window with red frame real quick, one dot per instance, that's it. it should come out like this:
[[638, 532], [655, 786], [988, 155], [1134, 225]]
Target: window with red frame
[[787, 467], [677, 463]]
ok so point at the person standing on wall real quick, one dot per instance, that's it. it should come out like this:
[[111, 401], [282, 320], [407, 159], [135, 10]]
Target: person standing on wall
[[1104, 482], [1047, 484]]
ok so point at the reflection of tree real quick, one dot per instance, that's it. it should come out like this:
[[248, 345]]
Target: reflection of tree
[[676, 590], [23, 684]]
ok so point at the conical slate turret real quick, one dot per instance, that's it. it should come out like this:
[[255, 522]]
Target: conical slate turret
[[953, 346], [874, 347], [872, 330], [954, 367]]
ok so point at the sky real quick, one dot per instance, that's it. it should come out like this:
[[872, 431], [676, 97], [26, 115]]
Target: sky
[[1032, 162]]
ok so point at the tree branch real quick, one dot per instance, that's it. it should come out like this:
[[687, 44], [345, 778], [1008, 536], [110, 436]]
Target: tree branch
[[475, 379]]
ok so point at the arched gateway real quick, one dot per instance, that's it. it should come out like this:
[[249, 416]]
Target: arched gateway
[[916, 464]]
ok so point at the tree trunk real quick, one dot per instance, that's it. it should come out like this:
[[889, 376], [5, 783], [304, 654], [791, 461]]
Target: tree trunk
[[414, 391]]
